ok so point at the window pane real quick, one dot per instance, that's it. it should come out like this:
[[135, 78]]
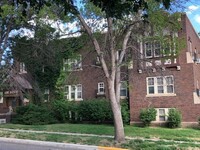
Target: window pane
[[101, 90], [160, 89], [169, 80], [150, 81], [79, 95], [72, 95], [151, 90], [161, 112], [157, 48], [79, 87], [148, 48], [123, 92], [161, 118], [160, 80], [170, 89], [67, 89]]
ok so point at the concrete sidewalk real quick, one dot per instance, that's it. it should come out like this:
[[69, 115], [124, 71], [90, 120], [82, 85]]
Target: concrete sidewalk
[[94, 135]]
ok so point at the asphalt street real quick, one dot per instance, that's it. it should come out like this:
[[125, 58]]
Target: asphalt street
[[18, 144]]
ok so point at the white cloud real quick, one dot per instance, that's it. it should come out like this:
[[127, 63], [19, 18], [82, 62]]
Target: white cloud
[[192, 8], [197, 18]]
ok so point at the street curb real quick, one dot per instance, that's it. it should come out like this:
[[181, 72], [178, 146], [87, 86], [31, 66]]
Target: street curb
[[46, 143]]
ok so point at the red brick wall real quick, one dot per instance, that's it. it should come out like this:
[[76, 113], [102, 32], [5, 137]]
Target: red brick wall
[[184, 82]]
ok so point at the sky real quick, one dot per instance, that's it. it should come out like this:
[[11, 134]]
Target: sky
[[193, 13]]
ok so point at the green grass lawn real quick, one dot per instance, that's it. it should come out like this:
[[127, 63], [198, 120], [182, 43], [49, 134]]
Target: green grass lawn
[[185, 134], [188, 135]]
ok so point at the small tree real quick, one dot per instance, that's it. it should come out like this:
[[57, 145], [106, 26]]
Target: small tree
[[147, 115], [174, 118]]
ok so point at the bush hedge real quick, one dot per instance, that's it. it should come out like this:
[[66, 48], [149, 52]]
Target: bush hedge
[[33, 115], [147, 115], [93, 110], [174, 118]]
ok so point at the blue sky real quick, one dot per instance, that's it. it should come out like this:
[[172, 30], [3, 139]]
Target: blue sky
[[193, 12]]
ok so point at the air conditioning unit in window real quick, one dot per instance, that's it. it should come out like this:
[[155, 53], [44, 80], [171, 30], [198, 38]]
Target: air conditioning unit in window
[[154, 69], [178, 68], [163, 68], [197, 61], [139, 70]]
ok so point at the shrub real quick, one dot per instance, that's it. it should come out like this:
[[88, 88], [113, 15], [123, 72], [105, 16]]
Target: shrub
[[97, 110], [125, 112], [174, 118], [33, 115], [147, 115], [60, 109]]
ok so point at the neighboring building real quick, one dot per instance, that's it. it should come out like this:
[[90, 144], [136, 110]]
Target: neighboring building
[[159, 79], [17, 93], [167, 81]]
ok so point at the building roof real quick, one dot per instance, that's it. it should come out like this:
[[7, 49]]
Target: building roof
[[22, 82]]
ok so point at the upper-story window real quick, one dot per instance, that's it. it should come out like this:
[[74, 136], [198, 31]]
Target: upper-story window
[[22, 68], [152, 49], [157, 49], [160, 85], [73, 92], [73, 64]]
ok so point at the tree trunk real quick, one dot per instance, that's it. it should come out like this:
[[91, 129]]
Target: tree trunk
[[117, 116]]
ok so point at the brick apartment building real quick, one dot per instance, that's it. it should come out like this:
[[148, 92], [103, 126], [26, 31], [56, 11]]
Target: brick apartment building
[[156, 80], [165, 82]]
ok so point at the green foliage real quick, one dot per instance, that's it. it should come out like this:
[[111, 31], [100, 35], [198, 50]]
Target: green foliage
[[60, 109], [122, 8], [174, 118], [147, 115], [33, 115], [97, 110], [125, 112]]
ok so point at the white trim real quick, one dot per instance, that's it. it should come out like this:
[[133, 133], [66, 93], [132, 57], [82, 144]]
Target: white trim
[[70, 90], [101, 88], [166, 111], [155, 86], [158, 95]]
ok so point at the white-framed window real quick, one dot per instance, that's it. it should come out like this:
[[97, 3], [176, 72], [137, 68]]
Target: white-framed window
[[148, 50], [162, 114], [74, 64], [22, 67], [123, 89], [167, 48], [152, 49], [73, 92], [101, 88], [157, 49], [160, 85], [46, 94]]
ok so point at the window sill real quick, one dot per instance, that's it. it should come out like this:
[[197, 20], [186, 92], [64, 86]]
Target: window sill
[[158, 95], [123, 97], [75, 99], [101, 93]]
